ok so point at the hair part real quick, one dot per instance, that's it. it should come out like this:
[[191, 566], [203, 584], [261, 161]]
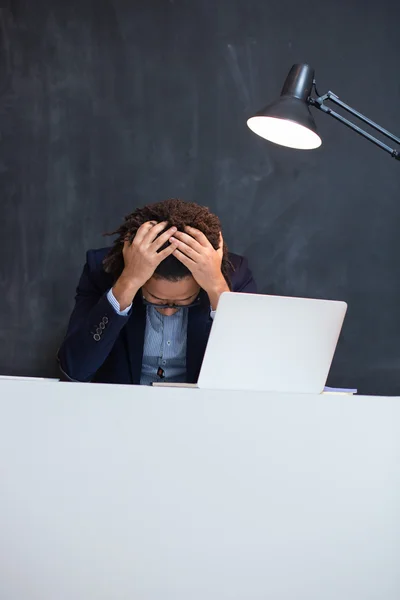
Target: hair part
[[179, 214]]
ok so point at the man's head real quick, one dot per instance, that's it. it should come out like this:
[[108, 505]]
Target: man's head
[[168, 296], [172, 282]]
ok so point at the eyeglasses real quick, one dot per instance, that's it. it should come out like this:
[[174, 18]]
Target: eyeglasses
[[195, 303]]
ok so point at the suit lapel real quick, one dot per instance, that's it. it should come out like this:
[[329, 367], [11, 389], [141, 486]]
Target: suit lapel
[[199, 325], [134, 337]]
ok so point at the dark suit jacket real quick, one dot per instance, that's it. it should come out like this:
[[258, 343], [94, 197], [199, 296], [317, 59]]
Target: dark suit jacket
[[102, 346]]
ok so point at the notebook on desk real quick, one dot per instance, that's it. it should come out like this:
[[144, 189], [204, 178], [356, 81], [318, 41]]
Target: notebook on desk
[[270, 343], [23, 378]]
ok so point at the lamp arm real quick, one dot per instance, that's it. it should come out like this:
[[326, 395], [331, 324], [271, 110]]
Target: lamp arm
[[319, 103]]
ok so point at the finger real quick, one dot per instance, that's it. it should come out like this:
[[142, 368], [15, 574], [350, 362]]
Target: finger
[[166, 252], [163, 238], [198, 236], [187, 250], [184, 259], [154, 231], [221, 244], [188, 240], [143, 230]]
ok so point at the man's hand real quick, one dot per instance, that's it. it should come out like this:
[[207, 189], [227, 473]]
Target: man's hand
[[204, 262], [141, 258]]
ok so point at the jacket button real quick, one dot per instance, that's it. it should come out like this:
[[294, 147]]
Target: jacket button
[[99, 331], [102, 326], [105, 320], [96, 337]]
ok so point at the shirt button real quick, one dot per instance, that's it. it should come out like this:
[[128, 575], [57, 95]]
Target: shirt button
[[163, 362], [168, 343]]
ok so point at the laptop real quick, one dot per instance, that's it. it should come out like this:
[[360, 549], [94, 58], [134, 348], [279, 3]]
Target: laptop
[[270, 343]]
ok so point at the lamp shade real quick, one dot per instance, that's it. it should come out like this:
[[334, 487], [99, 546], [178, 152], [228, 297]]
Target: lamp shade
[[288, 120]]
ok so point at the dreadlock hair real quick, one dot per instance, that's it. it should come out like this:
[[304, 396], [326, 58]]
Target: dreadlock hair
[[178, 214]]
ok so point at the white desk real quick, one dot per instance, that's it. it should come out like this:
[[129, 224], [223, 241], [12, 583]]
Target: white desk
[[117, 493]]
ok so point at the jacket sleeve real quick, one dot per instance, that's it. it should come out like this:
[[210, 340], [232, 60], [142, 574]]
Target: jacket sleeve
[[92, 331], [243, 280]]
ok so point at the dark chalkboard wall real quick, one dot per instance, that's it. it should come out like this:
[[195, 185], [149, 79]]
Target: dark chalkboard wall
[[110, 104]]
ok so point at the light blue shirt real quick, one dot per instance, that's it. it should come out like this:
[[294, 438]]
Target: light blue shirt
[[164, 350], [165, 342]]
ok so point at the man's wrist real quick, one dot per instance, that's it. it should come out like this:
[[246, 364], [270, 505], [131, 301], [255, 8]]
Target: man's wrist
[[214, 292], [124, 290]]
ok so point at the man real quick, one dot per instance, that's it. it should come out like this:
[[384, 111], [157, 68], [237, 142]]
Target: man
[[144, 308]]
